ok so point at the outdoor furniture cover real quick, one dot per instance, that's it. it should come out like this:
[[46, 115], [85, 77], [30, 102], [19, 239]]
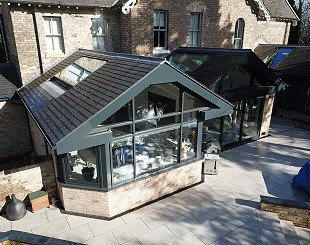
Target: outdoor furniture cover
[[302, 179]]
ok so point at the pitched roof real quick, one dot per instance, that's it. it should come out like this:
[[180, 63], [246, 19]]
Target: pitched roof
[[276, 9], [296, 63], [218, 65], [280, 9], [89, 3], [61, 115], [66, 114], [9, 81]]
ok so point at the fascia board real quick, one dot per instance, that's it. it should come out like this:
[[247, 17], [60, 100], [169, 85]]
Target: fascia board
[[164, 73]]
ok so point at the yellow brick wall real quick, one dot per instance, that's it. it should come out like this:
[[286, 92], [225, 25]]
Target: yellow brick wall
[[120, 200]]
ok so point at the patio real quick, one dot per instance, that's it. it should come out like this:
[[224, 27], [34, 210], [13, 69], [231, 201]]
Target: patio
[[222, 210]]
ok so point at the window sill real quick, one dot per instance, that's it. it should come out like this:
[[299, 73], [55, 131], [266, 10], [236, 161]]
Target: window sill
[[55, 55], [160, 52]]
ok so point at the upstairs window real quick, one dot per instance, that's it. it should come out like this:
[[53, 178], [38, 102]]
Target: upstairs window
[[53, 35], [160, 30], [195, 29], [98, 31], [239, 31]]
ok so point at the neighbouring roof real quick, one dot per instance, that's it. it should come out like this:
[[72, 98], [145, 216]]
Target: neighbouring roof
[[62, 110], [9, 81], [294, 63], [219, 66], [77, 3], [276, 9]]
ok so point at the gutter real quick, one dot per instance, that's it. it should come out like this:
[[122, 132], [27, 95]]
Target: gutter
[[35, 27]]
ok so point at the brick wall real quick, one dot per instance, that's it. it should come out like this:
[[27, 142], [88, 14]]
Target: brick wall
[[38, 139], [119, 200], [299, 216], [266, 117], [218, 27], [76, 26], [23, 180], [14, 132]]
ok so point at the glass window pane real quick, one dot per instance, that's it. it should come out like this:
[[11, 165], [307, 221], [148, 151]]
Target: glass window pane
[[49, 43], [211, 130], [122, 159], [156, 20], [157, 100], [156, 151], [101, 43], [156, 43], [192, 102], [83, 165], [232, 125], [124, 114], [58, 43], [162, 19], [162, 39], [122, 130], [251, 119], [56, 26], [47, 28], [189, 137], [159, 122]]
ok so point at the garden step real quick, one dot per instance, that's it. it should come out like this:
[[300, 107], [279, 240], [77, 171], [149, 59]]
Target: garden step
[[289, 232]]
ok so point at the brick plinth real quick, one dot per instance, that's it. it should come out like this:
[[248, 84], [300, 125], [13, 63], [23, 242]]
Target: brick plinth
[[117, 201]]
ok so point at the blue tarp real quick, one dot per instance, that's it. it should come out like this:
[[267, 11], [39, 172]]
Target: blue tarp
[[302, 179]]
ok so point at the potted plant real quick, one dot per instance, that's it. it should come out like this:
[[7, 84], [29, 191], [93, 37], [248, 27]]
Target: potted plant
[[88, 172]]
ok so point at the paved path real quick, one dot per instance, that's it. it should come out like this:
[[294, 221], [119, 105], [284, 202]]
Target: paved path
[[222, 210]]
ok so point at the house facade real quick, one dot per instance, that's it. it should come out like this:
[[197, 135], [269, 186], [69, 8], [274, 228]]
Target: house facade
[[38, 34]]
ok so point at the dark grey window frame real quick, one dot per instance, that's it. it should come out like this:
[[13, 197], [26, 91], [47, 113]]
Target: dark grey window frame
[[104, 161]]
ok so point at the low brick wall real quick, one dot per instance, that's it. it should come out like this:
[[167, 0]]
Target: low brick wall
[[122, 199], [24, 180], [297, 212]]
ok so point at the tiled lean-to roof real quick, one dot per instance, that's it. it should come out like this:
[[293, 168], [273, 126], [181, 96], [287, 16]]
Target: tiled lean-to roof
[[280, 9], [294, 63], [9, 81]]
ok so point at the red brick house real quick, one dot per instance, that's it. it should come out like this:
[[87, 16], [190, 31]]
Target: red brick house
[[38, 33]]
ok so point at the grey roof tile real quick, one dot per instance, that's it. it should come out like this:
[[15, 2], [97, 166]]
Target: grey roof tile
[[61, 115], [280, 9], [9, 81]]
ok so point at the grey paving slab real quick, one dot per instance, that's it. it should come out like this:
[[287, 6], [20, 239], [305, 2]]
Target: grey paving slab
[[130, 230], [211, 231], [54, 214], [287, 189], [241, 236], [30, 222], [188, 238], [52, 229], [136, 214], [303, 235], [133, 242], [253, 226], [234, 219], [5, 226], [160, 235], [106, 239], [242, 180], [76, 221], [79, 234], [158, 218], [289, 232], [183, 224], [183, 206], [161, 203], [207, 212], [99, 227]]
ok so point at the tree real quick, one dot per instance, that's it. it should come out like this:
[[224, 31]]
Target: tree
[[301, 32]]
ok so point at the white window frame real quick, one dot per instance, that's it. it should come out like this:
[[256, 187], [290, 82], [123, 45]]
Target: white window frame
[[54, 35], [196, 30], [158, 49], [97, 34]]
